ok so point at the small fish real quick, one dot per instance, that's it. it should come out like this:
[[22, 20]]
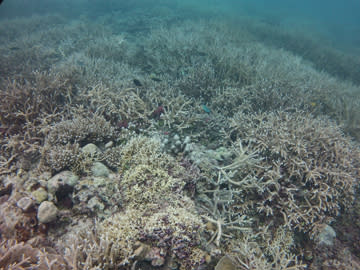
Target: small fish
[[206, 109], [137, 82], [155, 79]]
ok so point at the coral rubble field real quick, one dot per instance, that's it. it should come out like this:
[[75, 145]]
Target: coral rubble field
[[130, 142]]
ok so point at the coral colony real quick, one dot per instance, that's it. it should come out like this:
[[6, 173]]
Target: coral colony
[[110, 158]]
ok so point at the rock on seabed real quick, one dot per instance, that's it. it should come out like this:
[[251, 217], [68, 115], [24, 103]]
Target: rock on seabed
[[47, 212]]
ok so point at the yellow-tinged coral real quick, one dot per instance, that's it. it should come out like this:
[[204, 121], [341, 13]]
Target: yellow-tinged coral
[[143, 184], [122, 230], [144, 150], [148, 174], [157, 214], [173, 229]]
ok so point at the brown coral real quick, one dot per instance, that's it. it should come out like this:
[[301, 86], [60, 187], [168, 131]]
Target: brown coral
[[14, 255], [25, 107]]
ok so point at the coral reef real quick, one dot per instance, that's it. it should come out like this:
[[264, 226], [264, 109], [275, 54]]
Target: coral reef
[[308, 168], [15, 255], [145, 138], [159, 224], [62, 157], [275, 253], [149, 175], [27, 106], [81, 130], [173, 231], [62, 147]]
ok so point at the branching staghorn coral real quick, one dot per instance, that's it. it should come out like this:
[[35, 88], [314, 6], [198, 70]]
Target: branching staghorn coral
[[302, 42], [87, 251], [265, 250], [62, 148], [21, 255], [26, 108], [178, 111], [81, 129], [223, 199], [308, 168], [126, 104], [135, 106]]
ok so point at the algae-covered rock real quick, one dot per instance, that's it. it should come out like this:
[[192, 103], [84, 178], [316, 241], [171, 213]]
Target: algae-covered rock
[[95, 204], [99, 170], [326, 236], [225, 263], [61, 184], [40, 195], [90, 149], [62, 178], [25, 203], [97, 195], [47, 212], [208, 159]]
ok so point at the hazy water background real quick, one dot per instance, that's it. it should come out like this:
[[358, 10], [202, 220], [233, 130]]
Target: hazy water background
[[339, 21]]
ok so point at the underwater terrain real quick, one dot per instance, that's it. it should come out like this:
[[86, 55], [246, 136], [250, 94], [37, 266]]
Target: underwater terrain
[[175, 135]]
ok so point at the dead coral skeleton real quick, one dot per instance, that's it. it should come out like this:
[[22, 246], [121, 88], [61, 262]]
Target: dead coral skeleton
[[222, 201], [217, 204]]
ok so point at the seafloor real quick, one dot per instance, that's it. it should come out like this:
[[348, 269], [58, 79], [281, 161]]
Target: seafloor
[[150, 138]]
